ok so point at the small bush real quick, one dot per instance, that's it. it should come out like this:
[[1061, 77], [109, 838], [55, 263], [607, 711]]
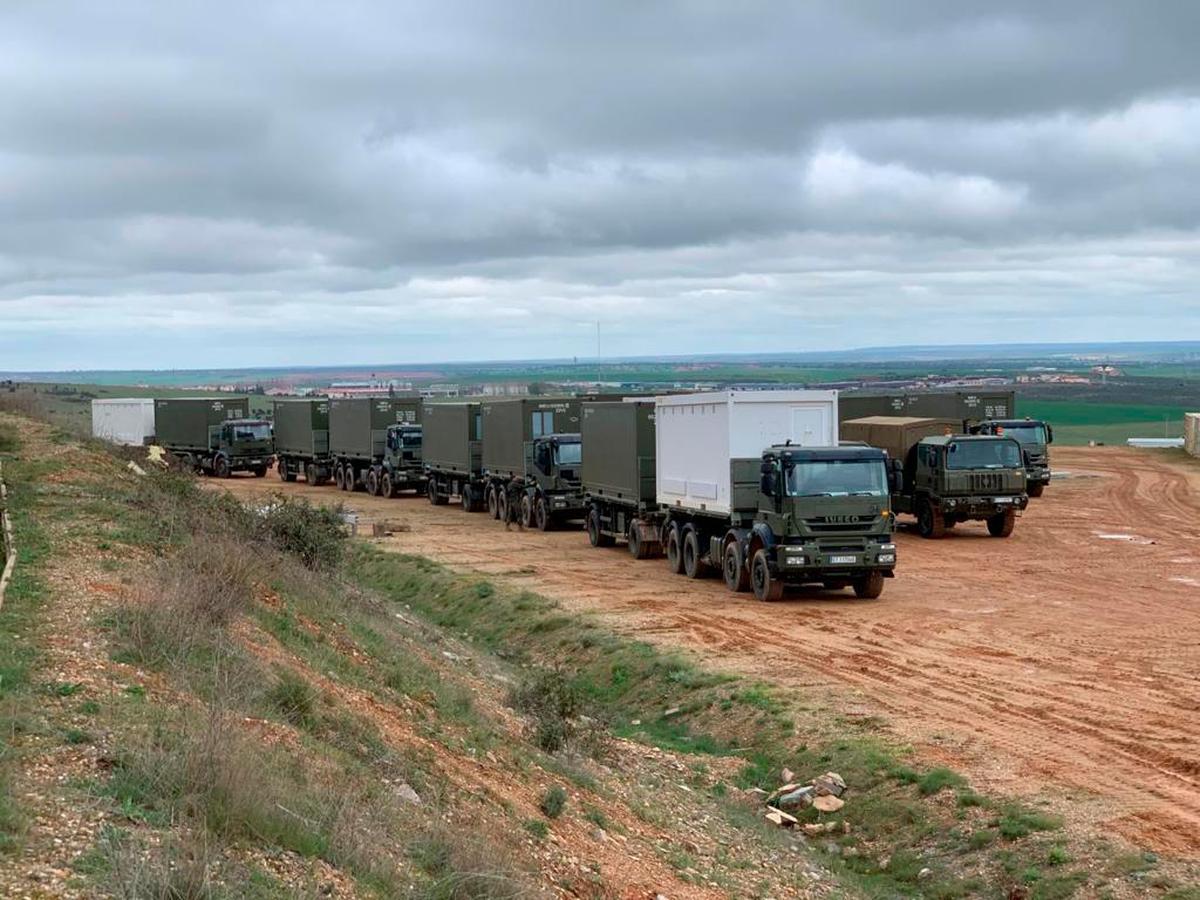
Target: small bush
[[314, 534], [554, 703], [293, 697], [937, 780], [1017, 822], [8, 440], [554, 802], [537, 828]]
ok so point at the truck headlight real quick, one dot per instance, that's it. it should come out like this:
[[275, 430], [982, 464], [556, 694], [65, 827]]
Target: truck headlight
[[887, 557], [887, 548], [796, 560]]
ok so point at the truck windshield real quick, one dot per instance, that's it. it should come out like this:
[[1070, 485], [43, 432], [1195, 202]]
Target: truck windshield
[[983, 454], [568, 454], [252, 431], [1026, 434], [410, 440], [837, 478]]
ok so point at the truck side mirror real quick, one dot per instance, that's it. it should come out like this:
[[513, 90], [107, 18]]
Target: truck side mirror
[[1049, 435], [768, 483], [895, 476]]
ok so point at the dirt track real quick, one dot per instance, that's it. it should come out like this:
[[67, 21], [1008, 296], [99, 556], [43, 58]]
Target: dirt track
[[1067, 657]]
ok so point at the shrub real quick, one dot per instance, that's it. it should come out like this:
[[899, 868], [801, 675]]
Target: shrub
[[554, 801], [937, 780], [553, 702], [314, 534], [293, 697]]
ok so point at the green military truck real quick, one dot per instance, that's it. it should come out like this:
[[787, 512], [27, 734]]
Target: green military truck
[[754, 484], [948, 478], [1035, 438], [617, 475], [535, 443], [375, 443], [302, 440], [214, 434], [452, 450]]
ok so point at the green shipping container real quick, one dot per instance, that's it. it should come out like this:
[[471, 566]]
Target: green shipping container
[[302, 427], [358, 426], [508, 425], [450, 438], [618, 450], [961, 406]]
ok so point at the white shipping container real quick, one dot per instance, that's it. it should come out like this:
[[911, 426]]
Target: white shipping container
[[698, 435], [124, 421], [1191, 433]]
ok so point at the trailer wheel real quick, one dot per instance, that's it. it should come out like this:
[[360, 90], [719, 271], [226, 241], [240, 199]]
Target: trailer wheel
[[1035, 490], [595, 535], [930, 522], [467, 498], [281, 467], [868, 587], [338, 477], [261, 471], [493, 501], [221, 467], [693, 563], [348, 478], [637, 549], [372, 481], [674, 549], [766, 586], [502, 505], [737, 579], [541, 515], [1001, 524], [310, 474]]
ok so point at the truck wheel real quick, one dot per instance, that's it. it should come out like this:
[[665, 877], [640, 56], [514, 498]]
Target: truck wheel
[[337, 478], [525, 513], [431, 491], [597, 537], [737, 579], [221, 467], [493, 501], [467, 498], [372, 481], [541, 515], [1036, 490], [930, 522], [281, 467], [674, 550], [261, 472], [868, 587], [693, 562], [1001, 525], [348, 478], [502, 505], [310, 474], [766, 586], [637, 548]]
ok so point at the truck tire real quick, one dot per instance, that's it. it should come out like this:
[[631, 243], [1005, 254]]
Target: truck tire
[[596, 535], [431, 491], [1001, 524], [372, 482], [502, 505], [637, 547], [930, 522], [467, 498], [693, 559], [526, 513], [261, 472], [221, 467], [349, 481], [674, 549], [337, 478], [541, 515], [285, 474], [767, 587], [869, 586], [737, 579], [310, 474], [1036, 490], [493, 501]]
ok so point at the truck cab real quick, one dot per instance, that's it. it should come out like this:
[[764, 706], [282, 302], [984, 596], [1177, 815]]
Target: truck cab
[[401, 467], [824, 516], [242, 444], [955, 478], [1035, 438], [553, 488]]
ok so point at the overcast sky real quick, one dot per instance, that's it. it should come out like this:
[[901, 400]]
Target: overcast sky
[[254, 183]]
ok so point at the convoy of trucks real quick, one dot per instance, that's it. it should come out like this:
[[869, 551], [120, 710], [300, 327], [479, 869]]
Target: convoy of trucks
[[768, 488], [214, 435], [375, 444]]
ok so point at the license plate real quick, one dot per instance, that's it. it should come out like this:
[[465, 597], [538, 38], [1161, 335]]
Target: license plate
[[842, 560], [1004, 499]]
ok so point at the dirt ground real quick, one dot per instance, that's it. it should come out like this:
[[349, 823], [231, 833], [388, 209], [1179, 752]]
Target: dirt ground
[[1063, 662]]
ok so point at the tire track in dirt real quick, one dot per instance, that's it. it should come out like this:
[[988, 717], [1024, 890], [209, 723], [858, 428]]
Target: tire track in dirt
[[1065, 658]]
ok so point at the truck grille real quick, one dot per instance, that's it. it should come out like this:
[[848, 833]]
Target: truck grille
[[986, 481], [851, 524]]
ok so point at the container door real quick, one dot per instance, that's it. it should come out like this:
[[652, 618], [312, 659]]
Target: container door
[[810, 426]]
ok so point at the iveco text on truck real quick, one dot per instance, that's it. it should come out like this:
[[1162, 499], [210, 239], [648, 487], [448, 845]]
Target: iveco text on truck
[[214, 434], [755, 484], [453, 453], [302, 440], [948, 478], [534, 442], [376, 444]]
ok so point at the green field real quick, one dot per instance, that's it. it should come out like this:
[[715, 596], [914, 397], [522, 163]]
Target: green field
[[1076, 424]]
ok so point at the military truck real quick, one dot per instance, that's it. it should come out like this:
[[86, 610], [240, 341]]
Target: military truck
[[535, 442], [453, 453], [966, 408], [1035, 438], [948, 477], [617, 475], [754, 484], [214, 434], [302, 440], [375, 443]]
